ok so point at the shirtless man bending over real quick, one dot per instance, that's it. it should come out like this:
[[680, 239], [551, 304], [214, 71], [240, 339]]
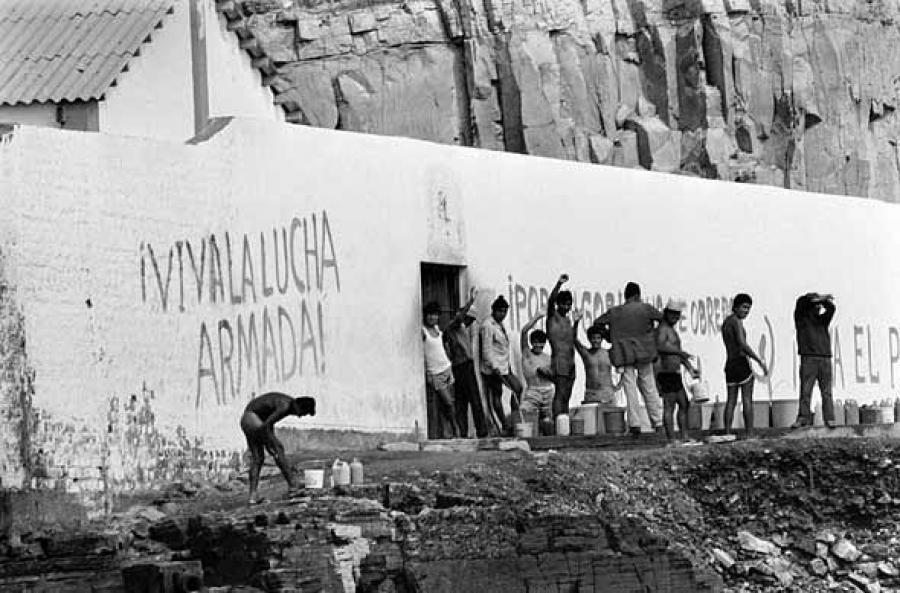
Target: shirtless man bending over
[[258, 424]]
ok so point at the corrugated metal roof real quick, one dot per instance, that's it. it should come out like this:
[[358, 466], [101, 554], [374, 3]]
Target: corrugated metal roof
[[68, 50]]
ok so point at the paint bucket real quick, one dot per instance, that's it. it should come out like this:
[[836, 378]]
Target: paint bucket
[[717, 418], [839, 419], [706, 415], [695, 417], [818, 420], [784, 412], [869, 415], [588, 414], [314, 478], [887, 413], [851, 413], [601, 423], [737, 420], [524, 430], [577, 426], [614, 420], [762, 415], [897, 410], [531, 417]]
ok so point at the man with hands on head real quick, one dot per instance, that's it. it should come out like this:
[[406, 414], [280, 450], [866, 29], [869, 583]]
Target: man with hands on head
[[812, 315]]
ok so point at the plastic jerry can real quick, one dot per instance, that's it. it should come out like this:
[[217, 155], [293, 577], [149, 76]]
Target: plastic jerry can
[[340, 472], [356, 471]]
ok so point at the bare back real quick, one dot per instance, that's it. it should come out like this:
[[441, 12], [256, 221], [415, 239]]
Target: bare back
[[561, 336], [268, 404]]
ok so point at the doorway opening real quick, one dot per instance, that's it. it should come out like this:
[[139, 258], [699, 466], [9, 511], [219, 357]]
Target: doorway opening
[[441, 284]]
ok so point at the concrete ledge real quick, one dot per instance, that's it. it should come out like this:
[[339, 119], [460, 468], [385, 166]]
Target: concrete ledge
[[323, 439], [890, 431], [652, 439]]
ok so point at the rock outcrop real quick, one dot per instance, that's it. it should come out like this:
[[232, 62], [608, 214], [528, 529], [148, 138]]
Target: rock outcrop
[[794, 93]]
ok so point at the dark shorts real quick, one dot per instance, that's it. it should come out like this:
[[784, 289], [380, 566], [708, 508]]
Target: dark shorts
[[738, 371], [669, 383]]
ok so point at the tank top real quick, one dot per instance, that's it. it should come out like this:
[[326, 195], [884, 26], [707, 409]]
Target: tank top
[[436, 360]]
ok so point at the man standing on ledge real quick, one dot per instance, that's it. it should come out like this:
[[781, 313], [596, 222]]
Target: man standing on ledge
[[738, 354], [561, 336], [495, 368], [812, 315], [258, 424], [458, 341], [632, 330]]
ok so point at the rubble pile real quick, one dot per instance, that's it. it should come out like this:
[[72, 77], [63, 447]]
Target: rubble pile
[[816, 515]]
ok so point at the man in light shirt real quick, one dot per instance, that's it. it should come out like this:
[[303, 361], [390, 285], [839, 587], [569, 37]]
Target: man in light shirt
[[438, 369], [495, 368]]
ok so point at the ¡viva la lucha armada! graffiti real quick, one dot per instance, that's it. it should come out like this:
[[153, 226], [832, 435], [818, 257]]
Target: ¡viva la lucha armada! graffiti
[[275, 281]]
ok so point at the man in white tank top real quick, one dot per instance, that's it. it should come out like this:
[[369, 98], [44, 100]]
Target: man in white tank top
[[438, 369]]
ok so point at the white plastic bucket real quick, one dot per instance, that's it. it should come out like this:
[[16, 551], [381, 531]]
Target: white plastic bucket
[[589, 413], [524, 430], [314, 478]]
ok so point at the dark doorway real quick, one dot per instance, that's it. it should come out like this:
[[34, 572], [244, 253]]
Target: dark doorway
[[440, 283]]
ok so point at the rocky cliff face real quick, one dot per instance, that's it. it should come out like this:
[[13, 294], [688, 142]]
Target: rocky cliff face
[[794, 93]]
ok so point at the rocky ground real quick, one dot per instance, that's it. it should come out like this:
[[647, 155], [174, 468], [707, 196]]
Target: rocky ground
[[767, 515]]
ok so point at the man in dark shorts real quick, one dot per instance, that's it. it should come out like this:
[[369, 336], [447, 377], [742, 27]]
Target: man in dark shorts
[[738, 372], [258, 424], [668, 370], [561, 336]]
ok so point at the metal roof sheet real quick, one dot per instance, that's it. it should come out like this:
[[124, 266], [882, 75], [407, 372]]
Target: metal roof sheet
[[69, 50]]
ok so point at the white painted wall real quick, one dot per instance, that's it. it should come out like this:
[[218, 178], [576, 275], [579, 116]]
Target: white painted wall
[[704, 241], [235, 86], [87, 209], [153, 99], [33, 114]]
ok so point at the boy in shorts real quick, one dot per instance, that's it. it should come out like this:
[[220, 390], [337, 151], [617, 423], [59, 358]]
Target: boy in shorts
[[598, 383], [738, 373], [668, 371], [540, 390]]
